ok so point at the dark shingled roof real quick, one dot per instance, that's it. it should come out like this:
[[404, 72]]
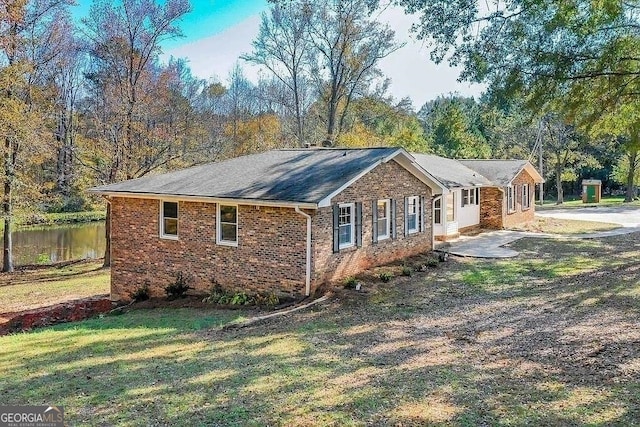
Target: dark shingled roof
[[450, 172], [305, 176], [499, 172]]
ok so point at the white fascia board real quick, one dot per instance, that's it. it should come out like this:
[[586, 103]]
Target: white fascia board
[[537, 178], [171, 197]]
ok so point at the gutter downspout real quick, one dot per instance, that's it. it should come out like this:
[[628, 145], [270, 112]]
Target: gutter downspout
[[308, 270]]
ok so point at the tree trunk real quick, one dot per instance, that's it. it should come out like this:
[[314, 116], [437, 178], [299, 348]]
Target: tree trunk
[[7, 262], [560, 199], [107, 235], [632, 155]]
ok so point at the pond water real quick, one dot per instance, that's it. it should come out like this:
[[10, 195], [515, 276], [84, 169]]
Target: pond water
[[43, 245]]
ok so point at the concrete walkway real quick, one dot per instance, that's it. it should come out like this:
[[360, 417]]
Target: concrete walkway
[[491, 244]]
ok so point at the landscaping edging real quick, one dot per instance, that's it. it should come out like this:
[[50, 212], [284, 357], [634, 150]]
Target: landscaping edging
[[70, 311]]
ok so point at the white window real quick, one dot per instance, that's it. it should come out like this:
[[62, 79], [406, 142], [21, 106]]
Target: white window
[[169, 220], [384, 217], [227, 225], [437, 211], [413, 204], [526, 197], [346, 225], [469, 197], [511, 199]]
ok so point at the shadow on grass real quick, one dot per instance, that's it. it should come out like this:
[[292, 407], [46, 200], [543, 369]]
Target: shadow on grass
[[522, 342]]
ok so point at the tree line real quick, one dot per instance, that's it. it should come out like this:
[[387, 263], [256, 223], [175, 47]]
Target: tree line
[[90, 102]]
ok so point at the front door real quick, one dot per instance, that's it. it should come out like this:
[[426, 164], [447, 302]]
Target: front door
[[591, 193]]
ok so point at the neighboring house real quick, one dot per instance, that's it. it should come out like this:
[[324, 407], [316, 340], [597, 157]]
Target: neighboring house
[[283, 221], [490, 194]]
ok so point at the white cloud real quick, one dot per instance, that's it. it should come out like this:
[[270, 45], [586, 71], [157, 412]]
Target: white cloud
[[411, 71], [216, 56]]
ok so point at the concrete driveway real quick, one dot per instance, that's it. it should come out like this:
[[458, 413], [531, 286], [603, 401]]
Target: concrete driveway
[[627, 216], [491, 244]]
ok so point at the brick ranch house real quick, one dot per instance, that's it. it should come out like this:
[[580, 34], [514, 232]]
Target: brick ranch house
[[283, 221], [489, 194]]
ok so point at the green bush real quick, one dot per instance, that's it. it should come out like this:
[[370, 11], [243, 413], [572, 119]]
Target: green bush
[[407, 271], [179, 288], [141, 293], [385, 276], [350, 282]]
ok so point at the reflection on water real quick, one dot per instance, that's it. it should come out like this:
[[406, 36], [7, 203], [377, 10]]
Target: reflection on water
[[58, 243]]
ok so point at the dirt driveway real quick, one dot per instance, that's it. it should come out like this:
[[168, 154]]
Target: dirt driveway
[[627, 216]]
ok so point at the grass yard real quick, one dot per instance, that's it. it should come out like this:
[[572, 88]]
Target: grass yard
[[564, 226], [548, 338], [605, 201], [34, 287]]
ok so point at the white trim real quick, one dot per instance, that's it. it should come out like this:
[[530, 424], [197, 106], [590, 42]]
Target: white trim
[[204, 199], [387, 219], [439, 209], [219, 240], [416, 200], [537, 178], [163, 235], [352, 224], [526, 206], [511, 199]]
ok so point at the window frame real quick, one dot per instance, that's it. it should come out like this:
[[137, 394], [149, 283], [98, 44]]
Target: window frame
[[526, 201], [163, 234], [219, 222], [387, 219], [511, 199], [352, 225], [437, 219], [416, 203]]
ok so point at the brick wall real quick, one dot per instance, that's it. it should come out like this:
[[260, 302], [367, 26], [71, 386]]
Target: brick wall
[[491, 208], [493, 204], [387, 181], [521, 215], [270, 255]]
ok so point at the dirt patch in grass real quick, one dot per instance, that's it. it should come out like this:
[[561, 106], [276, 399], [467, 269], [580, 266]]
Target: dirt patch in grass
[[548, 338], [564, 226]]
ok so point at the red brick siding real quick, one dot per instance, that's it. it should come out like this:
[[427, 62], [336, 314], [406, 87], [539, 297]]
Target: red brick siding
[[270, 255], [520, 215], [387, 181], [493, 204], [491, 207]]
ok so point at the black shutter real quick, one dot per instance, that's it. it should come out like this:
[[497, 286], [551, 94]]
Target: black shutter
[[477, 196], [336, 229], [406, 216], [393, 219], [359, 224], [421, 214], [374, 222]]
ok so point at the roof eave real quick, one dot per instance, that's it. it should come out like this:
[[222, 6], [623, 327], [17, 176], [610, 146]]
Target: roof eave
[[207, 199]]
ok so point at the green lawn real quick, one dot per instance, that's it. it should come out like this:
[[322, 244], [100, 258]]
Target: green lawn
[[26, 289], [549, 338], [572, 202]]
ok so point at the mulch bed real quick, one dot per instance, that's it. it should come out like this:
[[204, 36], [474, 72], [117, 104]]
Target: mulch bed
[[70, 311]]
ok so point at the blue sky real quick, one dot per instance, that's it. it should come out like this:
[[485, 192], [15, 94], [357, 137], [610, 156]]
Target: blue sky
[[207, 17], [217, 32]]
